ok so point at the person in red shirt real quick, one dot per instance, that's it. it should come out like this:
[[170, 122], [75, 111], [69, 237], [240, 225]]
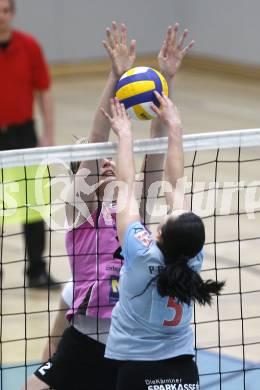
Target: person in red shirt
[[23, 76]]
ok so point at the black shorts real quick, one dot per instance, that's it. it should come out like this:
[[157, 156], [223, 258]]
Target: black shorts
[[180, 373], [79, 364], [19, 137]]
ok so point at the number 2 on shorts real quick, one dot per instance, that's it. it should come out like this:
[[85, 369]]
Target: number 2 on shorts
[[177, 313]]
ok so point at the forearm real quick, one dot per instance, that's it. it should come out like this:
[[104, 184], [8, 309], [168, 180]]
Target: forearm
[[158, 129], [174, 172], [101, 125], [155, 161], [127, 208], [170, 82], [46, 107], [152, 168], [174, 167], [174, 158], [153, 165], [125, 159]]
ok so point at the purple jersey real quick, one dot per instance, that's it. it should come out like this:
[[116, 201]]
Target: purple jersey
[[95, 259]]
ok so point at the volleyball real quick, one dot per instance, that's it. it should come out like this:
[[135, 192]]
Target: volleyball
[[136, 89]]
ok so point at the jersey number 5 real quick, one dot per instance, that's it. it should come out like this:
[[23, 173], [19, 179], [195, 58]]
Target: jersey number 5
[[178, 313]]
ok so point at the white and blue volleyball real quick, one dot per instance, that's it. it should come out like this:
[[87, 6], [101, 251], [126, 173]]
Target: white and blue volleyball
[[136, 90]]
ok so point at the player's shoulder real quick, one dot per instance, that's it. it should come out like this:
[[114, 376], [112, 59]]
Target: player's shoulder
[[139, 233], [140, 243], [26, 39]]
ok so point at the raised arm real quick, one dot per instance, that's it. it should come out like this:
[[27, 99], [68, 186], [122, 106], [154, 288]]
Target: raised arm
[[172, 52], [174, 165], [122, 58], [170, 59], [127, 206]]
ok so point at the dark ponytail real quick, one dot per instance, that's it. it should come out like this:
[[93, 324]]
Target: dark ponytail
[[180, 282], [181, 240]]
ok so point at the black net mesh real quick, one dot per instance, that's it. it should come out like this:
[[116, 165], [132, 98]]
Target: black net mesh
[[222, 186]]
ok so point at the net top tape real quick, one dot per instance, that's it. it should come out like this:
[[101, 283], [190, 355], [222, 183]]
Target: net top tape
[[193, 142]]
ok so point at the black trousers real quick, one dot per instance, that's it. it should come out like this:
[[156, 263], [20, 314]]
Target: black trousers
[[22, 137]]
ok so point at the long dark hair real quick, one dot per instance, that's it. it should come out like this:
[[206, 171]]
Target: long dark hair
[[182, 238]]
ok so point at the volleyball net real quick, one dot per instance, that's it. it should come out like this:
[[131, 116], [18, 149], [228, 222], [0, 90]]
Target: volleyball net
[[222, 183]]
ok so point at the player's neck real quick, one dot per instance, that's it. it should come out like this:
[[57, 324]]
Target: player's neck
[[5, 35]]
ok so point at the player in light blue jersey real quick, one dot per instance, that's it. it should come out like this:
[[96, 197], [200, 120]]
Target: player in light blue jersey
[[151, 335]]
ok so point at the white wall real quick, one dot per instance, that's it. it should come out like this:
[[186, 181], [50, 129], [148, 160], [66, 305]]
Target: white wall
[[74, 29], [71, 30], [227, 29]]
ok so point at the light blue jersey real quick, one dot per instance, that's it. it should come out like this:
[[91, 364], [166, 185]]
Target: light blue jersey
[[147, 327]]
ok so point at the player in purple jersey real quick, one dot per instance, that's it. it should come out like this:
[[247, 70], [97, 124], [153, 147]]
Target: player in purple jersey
[[150, 335], [92, 243]]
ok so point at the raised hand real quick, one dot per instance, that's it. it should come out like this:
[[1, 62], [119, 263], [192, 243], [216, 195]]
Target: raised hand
[[168, 112], [173, 51], [122, 56], [119, 120]]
